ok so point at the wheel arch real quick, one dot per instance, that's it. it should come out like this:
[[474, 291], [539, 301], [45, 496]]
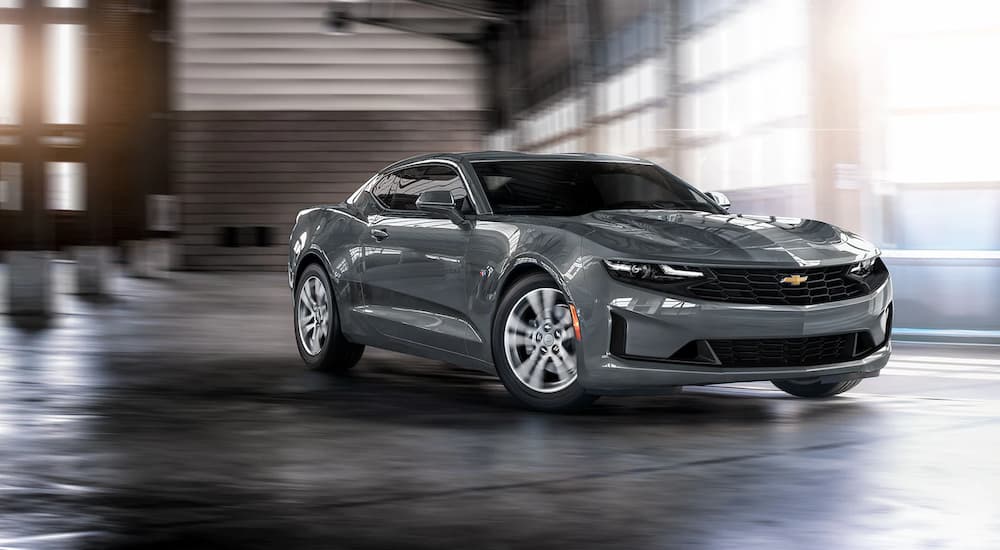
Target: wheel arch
[[523, 267], [312, 256]]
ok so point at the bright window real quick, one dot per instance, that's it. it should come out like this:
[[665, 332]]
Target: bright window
[[65, 185], [10, 51], [747, 104], [943, 147], [64, 49], [66, 3], [940, 71], [10, 186], [942, 95]]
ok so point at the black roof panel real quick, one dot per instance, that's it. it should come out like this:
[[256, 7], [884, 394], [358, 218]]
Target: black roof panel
[[511, 155]]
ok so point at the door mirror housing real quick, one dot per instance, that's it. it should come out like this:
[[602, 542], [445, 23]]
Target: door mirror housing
[[441, 202], [720, 198]]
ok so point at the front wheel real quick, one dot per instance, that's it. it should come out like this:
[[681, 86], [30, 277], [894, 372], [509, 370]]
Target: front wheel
[[317, 327], [535, 349], [814, 388]]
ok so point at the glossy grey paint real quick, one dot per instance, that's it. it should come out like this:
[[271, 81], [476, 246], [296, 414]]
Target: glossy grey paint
[[431, 287]]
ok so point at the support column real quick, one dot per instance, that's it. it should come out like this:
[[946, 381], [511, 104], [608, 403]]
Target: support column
[[29, 274], [94, 262], [93, 270], [29, 282], [836, 110], [153, 258], [162, 256], [136, 261]]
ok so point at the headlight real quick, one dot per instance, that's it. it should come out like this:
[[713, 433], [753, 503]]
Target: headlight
[[649, 272], [864, 267]]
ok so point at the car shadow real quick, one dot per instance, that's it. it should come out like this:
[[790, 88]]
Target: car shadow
[[399, 390]]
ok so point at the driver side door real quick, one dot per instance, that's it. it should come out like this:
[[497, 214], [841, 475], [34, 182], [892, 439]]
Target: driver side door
[[414, 273]]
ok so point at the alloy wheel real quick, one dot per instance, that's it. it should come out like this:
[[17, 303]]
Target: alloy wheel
[[539, 343], [313, 315]]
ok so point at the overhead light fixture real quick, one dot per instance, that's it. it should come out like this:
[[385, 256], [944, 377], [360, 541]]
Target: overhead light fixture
[[338, 20]]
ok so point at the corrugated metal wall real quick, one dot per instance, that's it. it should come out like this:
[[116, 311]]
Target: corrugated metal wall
[[271, 55], [247, 169], [273, 115]]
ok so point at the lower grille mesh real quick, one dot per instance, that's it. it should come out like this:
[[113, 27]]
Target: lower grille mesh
[[786, 352]]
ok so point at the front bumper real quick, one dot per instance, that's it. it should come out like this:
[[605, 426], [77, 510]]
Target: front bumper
[[659, 325]]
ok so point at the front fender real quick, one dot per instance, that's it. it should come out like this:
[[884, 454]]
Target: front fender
[[500, 249], [527, 258]]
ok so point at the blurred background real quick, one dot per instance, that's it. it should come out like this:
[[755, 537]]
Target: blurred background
[[187, 134], [154, 153]]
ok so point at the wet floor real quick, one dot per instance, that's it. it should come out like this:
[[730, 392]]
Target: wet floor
[[178, 415]]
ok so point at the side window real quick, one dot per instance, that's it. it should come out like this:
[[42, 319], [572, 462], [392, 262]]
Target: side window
[[403, 197], [399, 191], [444, 177], [368, 186], [384, 188]]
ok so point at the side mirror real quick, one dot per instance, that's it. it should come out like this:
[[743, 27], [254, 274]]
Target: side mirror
[[441, 202], [720, 198]]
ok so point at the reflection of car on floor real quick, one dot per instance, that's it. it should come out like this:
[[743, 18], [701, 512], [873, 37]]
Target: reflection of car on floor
[[573, 276]]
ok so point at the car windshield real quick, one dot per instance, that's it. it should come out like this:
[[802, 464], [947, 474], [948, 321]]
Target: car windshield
[[571, 188]]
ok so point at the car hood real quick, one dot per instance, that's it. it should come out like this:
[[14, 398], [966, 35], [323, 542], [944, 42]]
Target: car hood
[[703, 237]]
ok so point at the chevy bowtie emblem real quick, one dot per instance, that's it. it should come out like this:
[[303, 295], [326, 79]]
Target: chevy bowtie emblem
[[794, 280]]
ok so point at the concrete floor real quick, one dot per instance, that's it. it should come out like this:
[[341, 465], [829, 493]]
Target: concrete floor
[[178, 415]]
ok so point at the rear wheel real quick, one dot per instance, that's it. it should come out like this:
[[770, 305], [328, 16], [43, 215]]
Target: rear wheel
[[814, 388], [317, 327], [535, 349]]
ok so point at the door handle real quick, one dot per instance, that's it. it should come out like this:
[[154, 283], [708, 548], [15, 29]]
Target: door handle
[[379, 234]]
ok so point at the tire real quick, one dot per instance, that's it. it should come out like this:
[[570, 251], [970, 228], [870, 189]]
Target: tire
[[805, 388], [550, 382], [329, 351]]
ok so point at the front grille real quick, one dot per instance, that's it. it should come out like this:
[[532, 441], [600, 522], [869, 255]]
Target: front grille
[[764, 286], [792, 352]]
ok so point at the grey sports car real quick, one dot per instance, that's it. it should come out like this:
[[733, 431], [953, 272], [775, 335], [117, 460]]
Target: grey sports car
[[574, 276]]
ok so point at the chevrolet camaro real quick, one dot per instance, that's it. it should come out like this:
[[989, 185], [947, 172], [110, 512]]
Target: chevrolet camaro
[[574, 276]]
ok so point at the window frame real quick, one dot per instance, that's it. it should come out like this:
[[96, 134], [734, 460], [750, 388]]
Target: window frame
[[470, 196]]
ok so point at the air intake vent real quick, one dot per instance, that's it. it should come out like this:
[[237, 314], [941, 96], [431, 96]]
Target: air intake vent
[[792, 352]]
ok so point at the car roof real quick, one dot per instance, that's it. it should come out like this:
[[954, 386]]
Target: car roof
[[513, 156]]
